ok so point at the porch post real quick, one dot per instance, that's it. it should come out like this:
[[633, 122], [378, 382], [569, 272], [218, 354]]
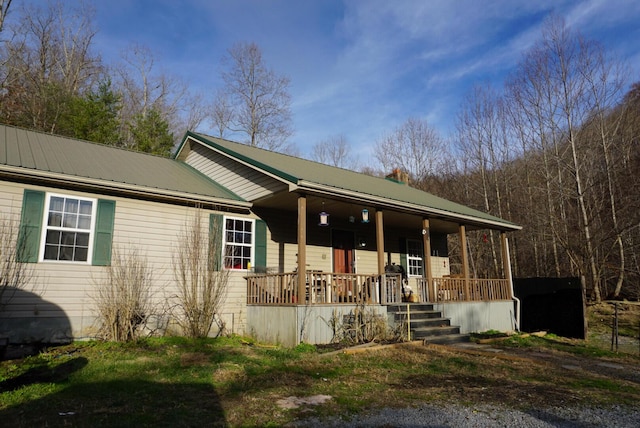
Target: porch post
[[380, 241], [506, 262], [465, 260], [426, 243], [302, 248]]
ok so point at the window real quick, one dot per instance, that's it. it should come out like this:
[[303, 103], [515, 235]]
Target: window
[[414, 258], [238, 243], [68, 228]]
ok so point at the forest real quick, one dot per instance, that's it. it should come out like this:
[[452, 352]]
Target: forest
[[554, 149]]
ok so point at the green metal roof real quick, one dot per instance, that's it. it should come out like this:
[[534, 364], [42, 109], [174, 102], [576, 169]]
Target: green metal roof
[[52, 156], [308, 173]]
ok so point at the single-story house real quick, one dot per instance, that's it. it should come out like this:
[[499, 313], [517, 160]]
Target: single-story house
[[358, 239]]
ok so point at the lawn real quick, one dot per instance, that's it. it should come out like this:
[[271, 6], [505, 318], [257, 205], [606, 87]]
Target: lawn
[[236, 382]]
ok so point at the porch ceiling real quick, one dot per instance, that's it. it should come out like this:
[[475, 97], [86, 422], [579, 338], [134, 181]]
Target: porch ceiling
[[343, 209]]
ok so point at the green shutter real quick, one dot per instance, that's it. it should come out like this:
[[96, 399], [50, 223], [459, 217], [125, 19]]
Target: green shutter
[[216, 222], [260, 256], [30, 226], [103, 239]]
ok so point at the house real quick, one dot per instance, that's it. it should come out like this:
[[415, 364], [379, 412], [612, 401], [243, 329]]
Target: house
[[302, 241]]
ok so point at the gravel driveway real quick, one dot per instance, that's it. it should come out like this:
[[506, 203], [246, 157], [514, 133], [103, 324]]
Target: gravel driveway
[[453, 415], [484, 416]]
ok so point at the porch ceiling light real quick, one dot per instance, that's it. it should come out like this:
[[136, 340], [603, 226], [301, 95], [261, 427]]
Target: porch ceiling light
[[324, 219], [365, 215]]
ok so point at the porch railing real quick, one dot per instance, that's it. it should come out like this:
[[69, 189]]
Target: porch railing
[[322, 288], [346, 288], [470, 289]]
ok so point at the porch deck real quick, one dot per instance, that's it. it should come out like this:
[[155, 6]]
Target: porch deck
[[330, 288]]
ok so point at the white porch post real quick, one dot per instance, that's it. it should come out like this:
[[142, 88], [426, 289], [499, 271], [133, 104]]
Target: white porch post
[[302, 248]]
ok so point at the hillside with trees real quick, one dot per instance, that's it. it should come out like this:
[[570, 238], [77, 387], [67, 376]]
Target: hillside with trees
[[556, 151]]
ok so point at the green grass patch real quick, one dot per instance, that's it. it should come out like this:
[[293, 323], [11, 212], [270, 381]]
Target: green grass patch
[[238, 382]]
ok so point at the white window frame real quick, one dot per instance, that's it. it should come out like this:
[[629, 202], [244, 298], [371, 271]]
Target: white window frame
[[46, 227], [251, 245], [414, 258]]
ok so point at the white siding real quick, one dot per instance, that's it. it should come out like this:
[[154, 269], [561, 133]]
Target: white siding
[[62, 289]]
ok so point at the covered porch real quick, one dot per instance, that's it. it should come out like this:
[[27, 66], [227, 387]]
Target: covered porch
[[290, 307], [382, 285]]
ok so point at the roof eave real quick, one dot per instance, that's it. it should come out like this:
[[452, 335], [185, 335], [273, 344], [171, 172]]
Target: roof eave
[[404, 206], [125, 188]]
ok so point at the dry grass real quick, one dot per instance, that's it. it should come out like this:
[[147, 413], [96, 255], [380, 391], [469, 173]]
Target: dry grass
[[235, 382]]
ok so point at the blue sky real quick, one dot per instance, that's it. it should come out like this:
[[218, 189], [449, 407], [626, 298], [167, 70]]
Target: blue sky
[[360, 68]]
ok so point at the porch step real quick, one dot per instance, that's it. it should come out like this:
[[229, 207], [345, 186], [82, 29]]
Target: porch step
[[426, 323], [414, 307], [447, 339]]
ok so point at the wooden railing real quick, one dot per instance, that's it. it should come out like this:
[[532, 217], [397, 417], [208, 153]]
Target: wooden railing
[[346, 288], [471, 289], [322, 288]]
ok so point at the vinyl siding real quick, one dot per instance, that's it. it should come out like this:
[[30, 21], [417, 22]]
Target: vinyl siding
[[246, 182], [152, 228]]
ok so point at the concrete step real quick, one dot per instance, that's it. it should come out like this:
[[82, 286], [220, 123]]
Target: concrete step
[[402, 307], [422, 315], [446, 339], [426, 332], [429, 322]]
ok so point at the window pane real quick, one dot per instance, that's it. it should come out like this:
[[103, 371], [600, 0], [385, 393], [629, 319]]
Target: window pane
[[56, 204], [82, 239], [55, 219], [84, 222], [229, 224], [53, 237], [51, 252], [66, 253], [68, 238], [81, 254], [71, 206], [70, 221], [85, 207], [248, 225]]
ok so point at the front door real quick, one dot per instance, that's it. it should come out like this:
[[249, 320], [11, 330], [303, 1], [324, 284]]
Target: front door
[[342, 251], [343, 264]]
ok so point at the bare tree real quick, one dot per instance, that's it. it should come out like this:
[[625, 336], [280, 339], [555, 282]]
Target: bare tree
[[255, 97], [334, 151], [124, 297], [201, 280], [48, 60], [481, 133], [4, 10], [146, 90], [415, 147], [221, 113]]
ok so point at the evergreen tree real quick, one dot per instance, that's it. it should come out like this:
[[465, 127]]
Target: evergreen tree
[[151, 133]]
